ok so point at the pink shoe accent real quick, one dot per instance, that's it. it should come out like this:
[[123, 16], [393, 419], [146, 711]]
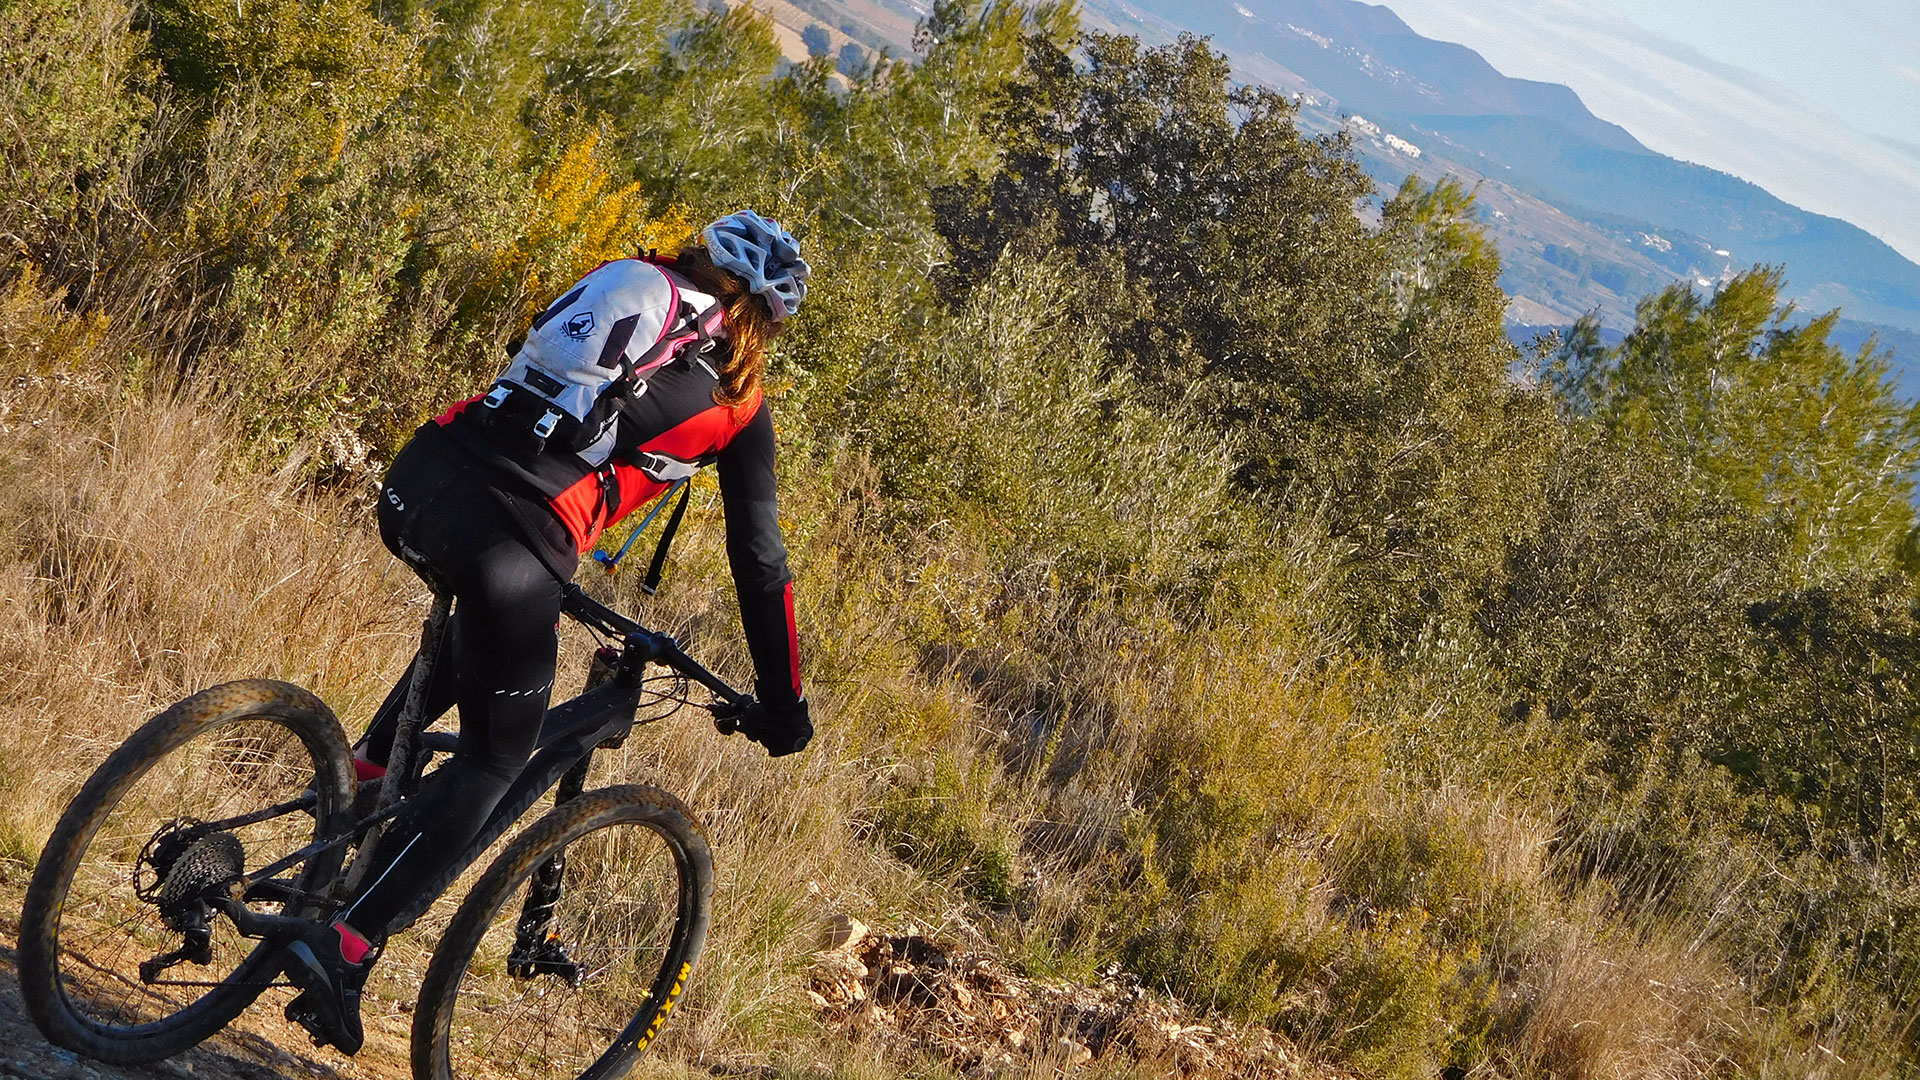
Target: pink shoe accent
[[353, 947], [364, 770]]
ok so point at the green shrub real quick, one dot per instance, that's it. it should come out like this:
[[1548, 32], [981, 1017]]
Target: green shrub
[[945, 824]]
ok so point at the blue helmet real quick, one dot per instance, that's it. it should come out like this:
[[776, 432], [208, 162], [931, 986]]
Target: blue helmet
[[765, 255]]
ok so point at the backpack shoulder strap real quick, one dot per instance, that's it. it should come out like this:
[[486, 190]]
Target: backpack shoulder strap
[[689, 328], [652, 584]]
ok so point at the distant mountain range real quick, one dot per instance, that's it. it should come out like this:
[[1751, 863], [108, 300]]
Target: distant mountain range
[[1587, 218]]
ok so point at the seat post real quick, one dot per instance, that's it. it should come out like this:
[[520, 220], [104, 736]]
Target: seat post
[[404, 760]]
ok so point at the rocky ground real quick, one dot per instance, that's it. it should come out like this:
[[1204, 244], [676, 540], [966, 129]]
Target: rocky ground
[[239, 1054], [262, 1046], [911, 997], [922, 998]]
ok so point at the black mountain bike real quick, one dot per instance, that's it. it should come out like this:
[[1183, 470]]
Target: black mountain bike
[[205, 842]]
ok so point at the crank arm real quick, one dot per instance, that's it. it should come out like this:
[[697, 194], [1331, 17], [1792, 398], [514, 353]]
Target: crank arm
[[255, 924]]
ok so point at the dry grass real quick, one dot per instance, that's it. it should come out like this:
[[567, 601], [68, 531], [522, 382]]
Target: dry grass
[[1611, 1005], [142, 565], [148, 556]]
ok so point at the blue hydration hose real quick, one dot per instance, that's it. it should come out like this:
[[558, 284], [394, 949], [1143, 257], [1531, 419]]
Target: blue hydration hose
[[612, 562]]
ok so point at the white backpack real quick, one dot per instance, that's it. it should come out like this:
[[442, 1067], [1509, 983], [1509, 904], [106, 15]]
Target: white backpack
[[593, 346]]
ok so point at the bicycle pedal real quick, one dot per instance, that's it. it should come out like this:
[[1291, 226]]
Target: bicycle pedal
[[303, 1014]]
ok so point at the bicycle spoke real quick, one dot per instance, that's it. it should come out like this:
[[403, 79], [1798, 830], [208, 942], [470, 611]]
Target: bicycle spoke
[[231, 762], [608, 939]]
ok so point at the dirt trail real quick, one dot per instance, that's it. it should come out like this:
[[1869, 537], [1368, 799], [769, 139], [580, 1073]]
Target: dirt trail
[[261, 1046], [914, 998]]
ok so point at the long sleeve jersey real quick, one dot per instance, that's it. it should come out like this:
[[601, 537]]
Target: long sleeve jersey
[[668, 428]]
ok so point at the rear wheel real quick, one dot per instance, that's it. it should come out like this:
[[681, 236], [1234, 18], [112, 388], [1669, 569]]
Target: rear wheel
[[124, 956], [533, 981]]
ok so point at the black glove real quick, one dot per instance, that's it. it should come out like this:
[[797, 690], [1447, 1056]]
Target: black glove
[[781, 731]]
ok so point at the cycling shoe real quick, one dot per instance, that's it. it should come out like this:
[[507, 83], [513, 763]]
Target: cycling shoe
[[329, 1002]]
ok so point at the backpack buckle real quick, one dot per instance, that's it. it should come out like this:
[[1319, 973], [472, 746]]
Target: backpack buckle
[[497, 396], [545, 425]]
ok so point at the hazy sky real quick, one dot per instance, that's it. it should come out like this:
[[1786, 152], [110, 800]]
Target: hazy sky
[[1818, 101]]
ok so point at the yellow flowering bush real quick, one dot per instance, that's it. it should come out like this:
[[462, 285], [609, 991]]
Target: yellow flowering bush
[[576, 220]]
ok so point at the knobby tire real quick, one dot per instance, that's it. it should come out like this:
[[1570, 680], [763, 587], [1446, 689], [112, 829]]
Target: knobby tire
[[636, 1020], [44, 985]]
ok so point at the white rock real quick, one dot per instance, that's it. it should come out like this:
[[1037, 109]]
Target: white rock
[[843, 932]]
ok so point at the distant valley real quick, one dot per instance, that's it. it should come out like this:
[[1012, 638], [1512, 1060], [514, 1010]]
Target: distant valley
[[1586, 218]]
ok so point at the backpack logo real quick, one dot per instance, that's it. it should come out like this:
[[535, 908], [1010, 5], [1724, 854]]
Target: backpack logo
[[580, 327]]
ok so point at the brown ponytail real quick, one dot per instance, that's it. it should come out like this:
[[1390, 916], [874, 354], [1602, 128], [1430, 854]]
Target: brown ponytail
[[750, 325]]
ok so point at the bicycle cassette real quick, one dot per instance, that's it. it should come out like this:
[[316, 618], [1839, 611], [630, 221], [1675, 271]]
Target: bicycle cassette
[[207, 863]]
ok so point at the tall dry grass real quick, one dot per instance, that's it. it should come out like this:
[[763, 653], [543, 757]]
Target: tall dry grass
[[1213, 798], [142, 562], [149, 556]]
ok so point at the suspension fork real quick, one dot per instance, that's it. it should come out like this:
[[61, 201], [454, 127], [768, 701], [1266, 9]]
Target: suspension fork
[[544, 892]]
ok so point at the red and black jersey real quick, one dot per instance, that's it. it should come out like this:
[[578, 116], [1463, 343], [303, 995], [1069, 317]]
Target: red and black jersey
[[668, 428]]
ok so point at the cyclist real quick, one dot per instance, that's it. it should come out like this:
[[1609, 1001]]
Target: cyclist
[[499, 520]]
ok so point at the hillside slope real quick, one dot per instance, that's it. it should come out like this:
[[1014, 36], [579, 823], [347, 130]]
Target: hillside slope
[[1192, 600], [1587, 218], [1363, 59]]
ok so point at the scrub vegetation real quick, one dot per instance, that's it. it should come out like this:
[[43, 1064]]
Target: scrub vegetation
[[1192, 577]]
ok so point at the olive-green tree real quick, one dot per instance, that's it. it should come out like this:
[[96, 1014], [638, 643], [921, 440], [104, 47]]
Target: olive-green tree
[[1363, 375], [1763, 409]]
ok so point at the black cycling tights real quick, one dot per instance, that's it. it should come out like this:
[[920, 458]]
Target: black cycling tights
[[439, 515]]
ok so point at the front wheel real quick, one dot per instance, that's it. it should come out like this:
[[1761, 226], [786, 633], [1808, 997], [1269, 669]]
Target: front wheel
[[124, 955], [567, 956]]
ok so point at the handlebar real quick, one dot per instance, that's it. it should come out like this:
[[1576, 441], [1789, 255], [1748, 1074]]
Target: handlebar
[[643, 646]]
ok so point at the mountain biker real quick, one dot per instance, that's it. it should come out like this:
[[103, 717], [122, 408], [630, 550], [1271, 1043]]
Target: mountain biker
[[499, 521]]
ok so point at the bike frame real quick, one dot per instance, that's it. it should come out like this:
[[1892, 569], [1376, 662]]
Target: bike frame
[[569, 734]]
